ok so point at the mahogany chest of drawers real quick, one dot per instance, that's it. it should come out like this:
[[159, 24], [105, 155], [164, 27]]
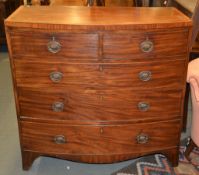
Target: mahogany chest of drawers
[[98, 85]]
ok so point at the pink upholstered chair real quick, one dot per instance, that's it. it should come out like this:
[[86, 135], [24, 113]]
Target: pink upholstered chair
[[193, 79]]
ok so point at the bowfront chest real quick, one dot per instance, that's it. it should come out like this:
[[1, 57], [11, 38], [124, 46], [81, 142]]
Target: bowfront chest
[[98, 85]]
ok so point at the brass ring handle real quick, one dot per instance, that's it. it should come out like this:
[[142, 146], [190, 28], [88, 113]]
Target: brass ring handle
[[142, 138], [56, 76], [143, 106], [53, 46], [146, 46], [59, 139], [145, 75], [58, 106]]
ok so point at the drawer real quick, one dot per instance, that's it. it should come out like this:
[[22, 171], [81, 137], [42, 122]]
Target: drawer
[[106, 105], [145, 45], [48, 46], [143, 75], [99, 140]]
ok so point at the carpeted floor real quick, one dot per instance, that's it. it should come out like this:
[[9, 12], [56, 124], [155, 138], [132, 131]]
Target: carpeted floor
[[153, 165], [158, 165], [188, 167], [10, 156]]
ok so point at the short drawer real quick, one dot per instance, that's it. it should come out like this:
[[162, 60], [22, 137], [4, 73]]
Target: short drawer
[[146, 45], [168, 74], [54, 46], [99, 139], [106, 105]]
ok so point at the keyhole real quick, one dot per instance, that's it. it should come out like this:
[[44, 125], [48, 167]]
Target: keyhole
[[101, 68], [101, 130], [101, 97]]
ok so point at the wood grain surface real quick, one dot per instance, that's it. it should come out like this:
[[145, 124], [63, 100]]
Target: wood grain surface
[[168, 74], [98, 140], [111, 18], [98, 45], [100, 106]]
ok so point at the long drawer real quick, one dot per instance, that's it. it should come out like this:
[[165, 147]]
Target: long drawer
[[169, 74], [106, 105], [99, 139]]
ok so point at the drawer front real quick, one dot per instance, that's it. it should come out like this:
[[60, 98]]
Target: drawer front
[[56, 46], [98, 140], [143, 75], [147, 45], [103, 105]]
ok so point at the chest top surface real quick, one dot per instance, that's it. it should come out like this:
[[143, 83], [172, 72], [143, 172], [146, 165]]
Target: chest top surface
[[105, 18]]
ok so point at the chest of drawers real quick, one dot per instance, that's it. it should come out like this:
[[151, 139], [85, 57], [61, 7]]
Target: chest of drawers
[[98, 85]]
